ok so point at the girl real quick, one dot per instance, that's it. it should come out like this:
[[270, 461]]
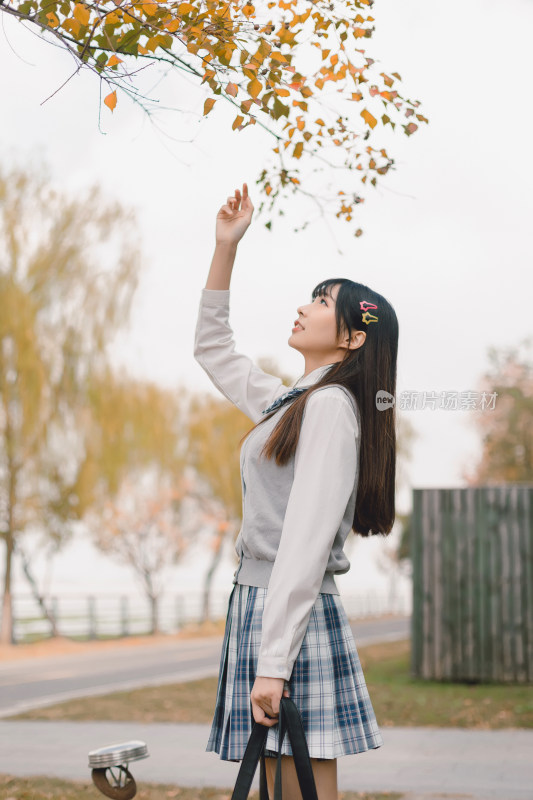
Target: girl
[[318, 464]]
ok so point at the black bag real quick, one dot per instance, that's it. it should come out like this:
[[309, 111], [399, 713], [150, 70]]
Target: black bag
[[289, 721]]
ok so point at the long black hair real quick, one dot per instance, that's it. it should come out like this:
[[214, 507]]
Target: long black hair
[[369, 373]]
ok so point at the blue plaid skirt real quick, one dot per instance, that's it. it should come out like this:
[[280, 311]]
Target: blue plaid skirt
[[327, 683]]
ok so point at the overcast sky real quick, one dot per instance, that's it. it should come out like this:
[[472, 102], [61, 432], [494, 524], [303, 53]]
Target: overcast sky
[[447, 235]]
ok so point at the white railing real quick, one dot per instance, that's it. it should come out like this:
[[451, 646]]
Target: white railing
[[99, 616]]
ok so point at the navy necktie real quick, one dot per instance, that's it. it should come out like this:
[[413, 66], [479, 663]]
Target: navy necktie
[[284, 398]]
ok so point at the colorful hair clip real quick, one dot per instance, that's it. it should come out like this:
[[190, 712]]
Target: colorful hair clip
[[364, 305]]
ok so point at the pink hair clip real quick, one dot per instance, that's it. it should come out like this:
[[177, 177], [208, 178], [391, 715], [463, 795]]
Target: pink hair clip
[[364, 305]]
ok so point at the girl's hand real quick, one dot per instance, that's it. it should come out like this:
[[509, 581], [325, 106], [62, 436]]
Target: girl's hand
[[234, 217], [266, 696]]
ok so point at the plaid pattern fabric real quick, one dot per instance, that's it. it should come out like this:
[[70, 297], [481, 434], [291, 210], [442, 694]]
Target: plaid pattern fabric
[[327, 682]]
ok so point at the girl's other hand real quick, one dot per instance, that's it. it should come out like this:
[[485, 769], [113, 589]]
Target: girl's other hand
[[234, 217], [266, 696]]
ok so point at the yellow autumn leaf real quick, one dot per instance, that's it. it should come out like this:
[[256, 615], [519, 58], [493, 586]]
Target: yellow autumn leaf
[[150, 8], [368, 118], [152, 43], [173, 25], [114, 60], [298, 149], [142, 50], [111, 100], [237, 121], [71, 25], [81, 13], [254, 88], [52, 19], [277, 56], [208, 105]]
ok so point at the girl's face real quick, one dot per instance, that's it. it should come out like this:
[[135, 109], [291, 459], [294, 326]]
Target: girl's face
[[315, 331]]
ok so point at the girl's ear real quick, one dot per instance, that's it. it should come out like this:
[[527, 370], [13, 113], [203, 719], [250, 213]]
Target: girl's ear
[[357, 340]]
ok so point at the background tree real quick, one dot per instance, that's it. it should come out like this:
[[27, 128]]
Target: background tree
[[245, 55], [67, 276], [215, 428], [133, 477], [506, 426], [141, 527]]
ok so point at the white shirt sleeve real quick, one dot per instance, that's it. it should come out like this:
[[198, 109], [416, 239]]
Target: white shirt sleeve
[[234, 374], [325, 470]]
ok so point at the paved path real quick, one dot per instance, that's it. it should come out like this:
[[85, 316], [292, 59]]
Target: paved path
[[37, 682], [423, 762]]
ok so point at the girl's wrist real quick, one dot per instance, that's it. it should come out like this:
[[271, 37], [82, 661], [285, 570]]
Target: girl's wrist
[[219, 276], [223, 245]]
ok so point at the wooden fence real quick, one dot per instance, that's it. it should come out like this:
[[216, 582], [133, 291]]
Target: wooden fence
[[472, 552]]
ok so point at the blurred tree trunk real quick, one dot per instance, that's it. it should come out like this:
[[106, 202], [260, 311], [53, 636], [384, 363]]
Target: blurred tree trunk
[[47, 614], [217, 549], [141, 526]]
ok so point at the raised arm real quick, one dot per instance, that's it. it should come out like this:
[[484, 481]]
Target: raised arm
[[233, 220], [234, 374]]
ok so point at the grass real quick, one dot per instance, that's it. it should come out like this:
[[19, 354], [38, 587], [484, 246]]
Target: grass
[[398, 699], [43, 788]]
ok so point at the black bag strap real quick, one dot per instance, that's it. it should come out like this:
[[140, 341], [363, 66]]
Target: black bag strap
[[252, 754], [289, 722]]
